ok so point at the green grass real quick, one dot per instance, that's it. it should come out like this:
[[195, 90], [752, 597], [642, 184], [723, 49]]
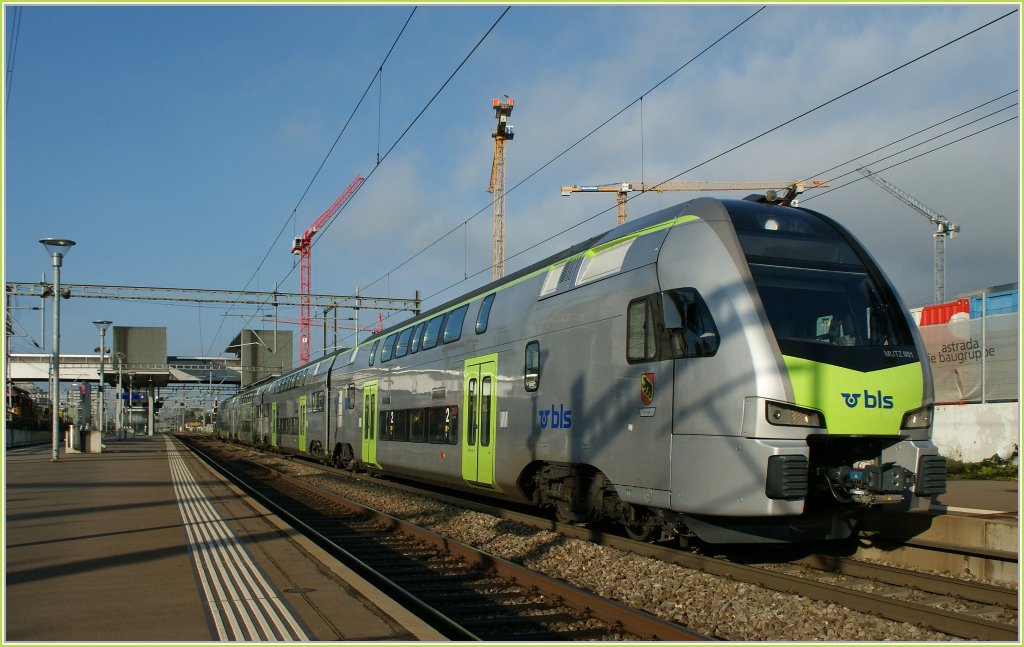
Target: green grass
[[988, 470]]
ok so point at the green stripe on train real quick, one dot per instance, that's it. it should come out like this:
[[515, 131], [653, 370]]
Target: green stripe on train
[[857, 403]]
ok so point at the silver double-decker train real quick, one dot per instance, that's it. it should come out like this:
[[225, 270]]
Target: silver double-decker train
[[732, 369]]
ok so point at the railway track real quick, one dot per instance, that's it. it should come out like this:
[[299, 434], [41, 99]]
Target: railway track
[[463, 592], [952, 606]]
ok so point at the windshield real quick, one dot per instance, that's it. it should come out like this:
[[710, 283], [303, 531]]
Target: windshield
[[837, 308], [821, 294]]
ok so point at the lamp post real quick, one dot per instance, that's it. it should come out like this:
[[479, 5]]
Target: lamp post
[[57, 248], [102, 327]]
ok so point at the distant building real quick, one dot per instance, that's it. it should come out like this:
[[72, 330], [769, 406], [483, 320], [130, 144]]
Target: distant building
[[262, 354]]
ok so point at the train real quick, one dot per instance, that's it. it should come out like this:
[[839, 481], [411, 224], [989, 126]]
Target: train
[[736, 371], [22, 412]]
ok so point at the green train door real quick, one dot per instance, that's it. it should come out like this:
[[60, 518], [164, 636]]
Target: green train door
[[369, 445], [302, 424], [479, 404], [273, 424]]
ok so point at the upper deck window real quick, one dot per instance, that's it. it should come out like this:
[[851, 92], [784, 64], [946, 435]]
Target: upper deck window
[[416, 336], [453, 327], [402, 347], [484, 314], [389, 347], [432, 334]]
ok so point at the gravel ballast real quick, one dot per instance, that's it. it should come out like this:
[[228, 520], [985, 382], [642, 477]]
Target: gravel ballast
[[715, 606]]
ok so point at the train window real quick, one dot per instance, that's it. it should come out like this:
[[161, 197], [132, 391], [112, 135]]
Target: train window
[[485, 411], [394, 425], [372, 421], [640, 338], [417, 333], [688, 328], [402, 347], [442, 424], [373, 351], [418, 425], [432, 333], [453, 327], [551, 280], [389, 347], [484, 314], [350, 401], [471, 422], [605, 262], [531, 370]]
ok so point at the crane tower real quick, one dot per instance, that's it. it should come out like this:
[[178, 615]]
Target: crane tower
[[503, 132], [302, 246], [944, 228]]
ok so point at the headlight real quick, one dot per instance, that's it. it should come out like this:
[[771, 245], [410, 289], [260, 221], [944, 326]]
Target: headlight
[[792, 416], [918, 418]]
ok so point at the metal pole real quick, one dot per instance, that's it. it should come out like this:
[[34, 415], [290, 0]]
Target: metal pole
[[325, 332], [102, 327], [55, 359], [103, 334], [42, 317], [984, 341], [7, 357], [151, 411], [56, 248]]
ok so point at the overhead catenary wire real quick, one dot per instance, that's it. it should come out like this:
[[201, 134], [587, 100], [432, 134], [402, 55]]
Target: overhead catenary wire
[[910, 159], [755, 138], [334, 145], [11, 54], [918, 132], [816, 195], [394, 144], [909, 148], [291, 217], [579, 141]]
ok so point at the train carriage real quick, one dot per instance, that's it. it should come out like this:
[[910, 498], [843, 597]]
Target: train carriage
[[734, 369]]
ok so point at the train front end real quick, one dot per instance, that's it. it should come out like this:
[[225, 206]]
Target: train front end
[[819, 402]]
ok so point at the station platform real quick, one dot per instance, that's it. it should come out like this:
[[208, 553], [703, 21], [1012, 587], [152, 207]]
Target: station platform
[[143, 543]]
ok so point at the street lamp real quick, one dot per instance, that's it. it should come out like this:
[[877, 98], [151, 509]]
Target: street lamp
[[102, 327], [57, 248]]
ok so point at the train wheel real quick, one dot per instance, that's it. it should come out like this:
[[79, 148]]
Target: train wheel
[[642, 533], [640, 525]]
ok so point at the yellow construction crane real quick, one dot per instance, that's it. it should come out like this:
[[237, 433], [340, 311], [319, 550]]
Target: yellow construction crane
[[502, 109], [792, 190]]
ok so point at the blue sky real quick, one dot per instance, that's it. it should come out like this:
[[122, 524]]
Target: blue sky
[[174, 142]]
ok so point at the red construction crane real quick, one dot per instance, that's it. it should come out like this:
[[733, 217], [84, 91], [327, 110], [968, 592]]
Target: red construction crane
[[303, 247]]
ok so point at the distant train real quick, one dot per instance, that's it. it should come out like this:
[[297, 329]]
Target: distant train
[[734, 369], [22, 412]]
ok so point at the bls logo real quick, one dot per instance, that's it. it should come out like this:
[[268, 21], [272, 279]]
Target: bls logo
[[871, 400], [560, 418]]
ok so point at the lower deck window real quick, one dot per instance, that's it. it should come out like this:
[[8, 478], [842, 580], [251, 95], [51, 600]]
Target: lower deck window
[[437, 425]]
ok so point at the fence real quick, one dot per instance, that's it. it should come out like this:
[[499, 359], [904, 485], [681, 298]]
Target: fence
[[974, 351]]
